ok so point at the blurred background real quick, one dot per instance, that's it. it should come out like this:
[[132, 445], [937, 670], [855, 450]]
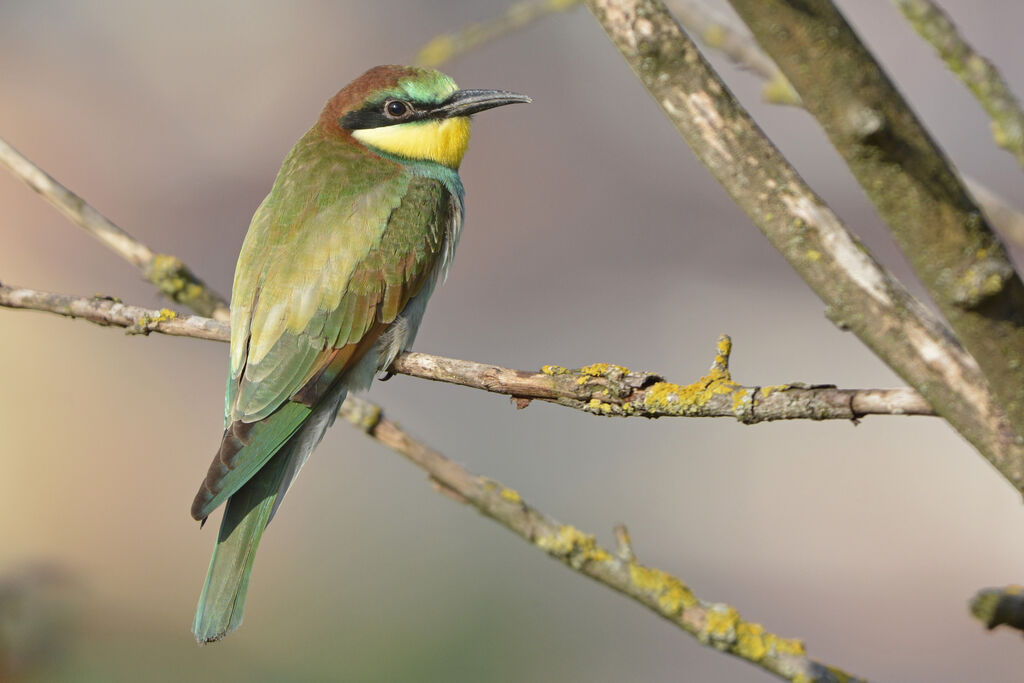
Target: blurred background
[[592, 234]]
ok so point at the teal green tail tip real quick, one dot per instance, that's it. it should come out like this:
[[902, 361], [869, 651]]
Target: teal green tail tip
[[222, 602]]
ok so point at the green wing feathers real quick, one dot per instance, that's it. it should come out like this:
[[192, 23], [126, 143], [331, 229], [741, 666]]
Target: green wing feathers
[[334, 253]]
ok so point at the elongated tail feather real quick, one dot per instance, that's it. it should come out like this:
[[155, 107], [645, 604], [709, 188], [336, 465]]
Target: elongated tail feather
[[248, 511], [222, 602]]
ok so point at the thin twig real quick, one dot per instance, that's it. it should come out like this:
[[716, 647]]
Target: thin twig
[[860, 295], [601, 388], [973, 70], [448, 46], [717, 625], [167, 272], [719, 32]]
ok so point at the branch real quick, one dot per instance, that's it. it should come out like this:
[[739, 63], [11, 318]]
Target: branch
[[912, 184], [998, 606], [859, 294], [168, 273], [973, 70], [600, 389], [717, 625], [447, 46], [719, 32]]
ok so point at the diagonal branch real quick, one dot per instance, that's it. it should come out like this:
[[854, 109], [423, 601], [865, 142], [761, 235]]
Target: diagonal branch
[[600, 389], [168, 273], [714, 624], [973, 70], [859, 294], [447, 46], [911, 182]]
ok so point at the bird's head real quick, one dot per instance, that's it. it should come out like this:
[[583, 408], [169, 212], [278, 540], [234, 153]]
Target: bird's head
[[410, 113]]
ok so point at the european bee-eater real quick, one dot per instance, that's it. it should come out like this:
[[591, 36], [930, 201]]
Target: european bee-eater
[[331, 284]]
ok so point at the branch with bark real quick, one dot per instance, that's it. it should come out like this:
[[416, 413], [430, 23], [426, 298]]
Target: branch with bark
[[714, 624], [600, 388], [912, 184], [170, 275], [860, 295]]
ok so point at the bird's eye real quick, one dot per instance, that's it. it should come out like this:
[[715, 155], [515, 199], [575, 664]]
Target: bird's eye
[[396, 109]]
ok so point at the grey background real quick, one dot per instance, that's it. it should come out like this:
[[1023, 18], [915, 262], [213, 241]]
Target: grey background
[[592, 234]]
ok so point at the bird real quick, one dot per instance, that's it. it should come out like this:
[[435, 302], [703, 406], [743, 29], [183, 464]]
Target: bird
[[331, 284]]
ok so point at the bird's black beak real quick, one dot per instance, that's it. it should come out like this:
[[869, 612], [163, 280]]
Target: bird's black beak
[[466, 102]]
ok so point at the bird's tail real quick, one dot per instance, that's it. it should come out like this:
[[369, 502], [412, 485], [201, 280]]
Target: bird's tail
[[222, 601], [248, 511]]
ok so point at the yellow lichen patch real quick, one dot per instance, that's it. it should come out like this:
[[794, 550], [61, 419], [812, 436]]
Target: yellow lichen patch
[[553, 370], [511, 496], [750, 641], [767, 391], [145, 323], [784, 646], [602, 369], [597, 407], [673, 399], [166, 314], [720, 624], [740, 399], [672, 594], [813, 255], [573, 546]]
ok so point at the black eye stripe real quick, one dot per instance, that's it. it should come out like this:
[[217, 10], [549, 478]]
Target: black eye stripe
[[376, 114]]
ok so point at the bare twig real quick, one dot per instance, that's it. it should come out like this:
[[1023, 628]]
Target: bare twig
[[973, 70], [721, 33], [715, 624], [601, 389], [859, 294], [911, 182], [447, 46], [167, 272]]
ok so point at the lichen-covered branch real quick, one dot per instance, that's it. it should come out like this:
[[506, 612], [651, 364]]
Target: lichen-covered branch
[[999, 606], [110, 311], [612, 390], [447, 46], [600, 388], [945, 237], [859, 294], [168, 273], [717, 625], [973, 70]]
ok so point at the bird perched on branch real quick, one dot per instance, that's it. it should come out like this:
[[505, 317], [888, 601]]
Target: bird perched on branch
[[331, 284]]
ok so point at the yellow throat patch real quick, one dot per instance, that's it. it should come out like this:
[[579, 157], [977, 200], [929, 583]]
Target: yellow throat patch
[[440, 140]]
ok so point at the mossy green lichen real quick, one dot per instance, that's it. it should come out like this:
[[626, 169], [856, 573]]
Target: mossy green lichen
[[672, 594], [573, 546]]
